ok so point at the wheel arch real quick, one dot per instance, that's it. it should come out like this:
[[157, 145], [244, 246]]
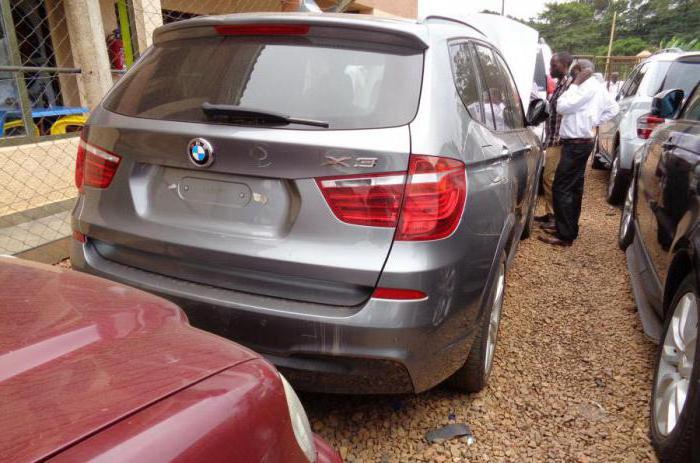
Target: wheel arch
[[681, 266]]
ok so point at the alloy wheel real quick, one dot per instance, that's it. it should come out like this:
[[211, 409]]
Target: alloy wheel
[[676, 364], [495, 319]]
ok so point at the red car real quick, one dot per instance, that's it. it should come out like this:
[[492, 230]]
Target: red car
[[91, 369]]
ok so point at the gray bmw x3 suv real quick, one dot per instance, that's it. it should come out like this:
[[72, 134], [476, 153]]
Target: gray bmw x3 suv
[[341, 194]]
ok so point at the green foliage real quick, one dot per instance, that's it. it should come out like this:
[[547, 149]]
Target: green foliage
[[569, 26], [686, 45], [583, 26], [629, 46]]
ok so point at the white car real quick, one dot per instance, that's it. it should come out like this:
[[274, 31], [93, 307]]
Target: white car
[[621, 137]]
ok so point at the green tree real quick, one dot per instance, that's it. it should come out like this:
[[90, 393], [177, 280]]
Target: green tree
[[656, 20], [583, 26], [628, 46], [569, 26]]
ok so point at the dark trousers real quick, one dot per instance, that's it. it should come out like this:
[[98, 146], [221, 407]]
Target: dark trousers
[[567, 190]]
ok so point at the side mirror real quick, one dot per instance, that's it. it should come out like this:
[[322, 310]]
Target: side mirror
[[667, 103], [537, 112]]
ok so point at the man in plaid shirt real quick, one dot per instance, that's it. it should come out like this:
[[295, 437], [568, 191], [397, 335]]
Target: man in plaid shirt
[[558, 69]]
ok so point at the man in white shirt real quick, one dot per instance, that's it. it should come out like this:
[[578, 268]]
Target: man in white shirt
[[584, 106], [614, 84]]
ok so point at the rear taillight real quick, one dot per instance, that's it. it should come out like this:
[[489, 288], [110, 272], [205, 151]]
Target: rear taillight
[[262, 29], [79, 237], [373, 200], [94, 167], [646, 125], [427, 206], [436, 191]]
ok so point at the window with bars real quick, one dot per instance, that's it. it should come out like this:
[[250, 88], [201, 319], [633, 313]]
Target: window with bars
[[38, 81]]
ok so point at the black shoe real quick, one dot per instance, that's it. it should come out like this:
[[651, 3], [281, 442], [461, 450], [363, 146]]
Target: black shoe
[[555, 241], [543, 218], [551, 231]]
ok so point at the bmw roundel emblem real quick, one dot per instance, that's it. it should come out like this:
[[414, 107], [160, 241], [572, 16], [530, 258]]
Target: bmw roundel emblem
[[200, 152]]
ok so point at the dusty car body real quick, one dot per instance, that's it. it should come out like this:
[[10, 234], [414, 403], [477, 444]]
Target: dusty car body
[[94, 370]]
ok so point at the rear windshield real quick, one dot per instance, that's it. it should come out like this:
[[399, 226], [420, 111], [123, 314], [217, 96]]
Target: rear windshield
[[683, 75], [347, 86]]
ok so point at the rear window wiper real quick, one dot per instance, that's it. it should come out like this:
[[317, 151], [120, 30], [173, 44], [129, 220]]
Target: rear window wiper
[[239, 112]]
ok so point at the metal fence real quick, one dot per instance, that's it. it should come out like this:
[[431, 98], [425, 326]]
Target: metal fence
[[40, 111]]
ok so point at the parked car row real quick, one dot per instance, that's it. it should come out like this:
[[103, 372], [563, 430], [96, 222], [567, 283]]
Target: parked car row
[[342, 195], [621, 137], [660, 234]]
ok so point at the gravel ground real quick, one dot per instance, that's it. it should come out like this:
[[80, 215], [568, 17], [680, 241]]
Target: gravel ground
[[571, 377]]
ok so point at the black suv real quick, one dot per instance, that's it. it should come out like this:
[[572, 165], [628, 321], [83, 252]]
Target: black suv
[[659, 230]]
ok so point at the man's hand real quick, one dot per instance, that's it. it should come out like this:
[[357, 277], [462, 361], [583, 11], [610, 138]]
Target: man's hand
[[582, 76]]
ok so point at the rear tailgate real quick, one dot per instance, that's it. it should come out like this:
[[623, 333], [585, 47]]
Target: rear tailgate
[[255, 220]]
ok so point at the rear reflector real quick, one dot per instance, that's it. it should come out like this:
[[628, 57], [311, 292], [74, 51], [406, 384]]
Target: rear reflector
[[434, 201], [646, 125], [80, 237], [372, 200], [94, 167], [426, 207], [263, 29], [398, 294]]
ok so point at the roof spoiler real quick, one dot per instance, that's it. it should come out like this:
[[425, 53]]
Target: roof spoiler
[[315, 25], [452, 20]]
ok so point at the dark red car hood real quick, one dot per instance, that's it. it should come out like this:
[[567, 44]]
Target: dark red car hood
[[78, 353]]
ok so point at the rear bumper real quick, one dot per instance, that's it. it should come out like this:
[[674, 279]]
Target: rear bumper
[[381, 346], [628, 148]]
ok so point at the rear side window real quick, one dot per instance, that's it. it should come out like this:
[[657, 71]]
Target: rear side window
[[496, 90], [636, 79], [466, 79], [682, 74], [626, 85], [513, 106], [344, 84], [654, 78]]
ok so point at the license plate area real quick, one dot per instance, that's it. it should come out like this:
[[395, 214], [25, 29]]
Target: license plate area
[[207, 191], [212, 202]]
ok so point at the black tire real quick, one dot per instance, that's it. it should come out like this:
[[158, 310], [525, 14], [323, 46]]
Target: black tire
[[618, 181], [681, 444], [625, 234], [529, 222], [473, 376]]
